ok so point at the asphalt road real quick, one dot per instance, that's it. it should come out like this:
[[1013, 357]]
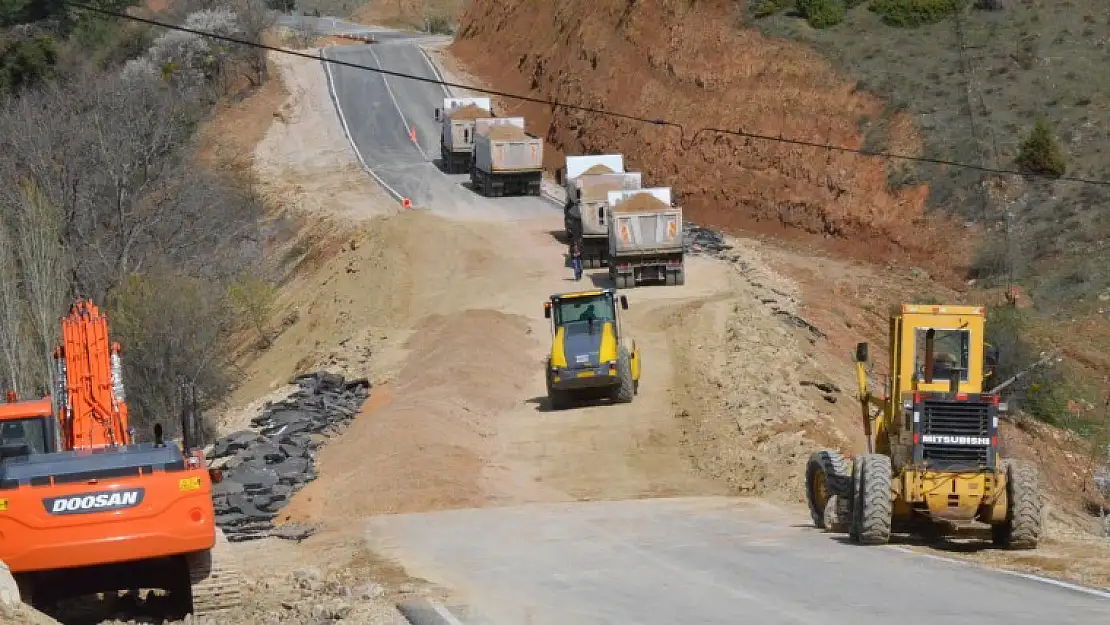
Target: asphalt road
[[701, 560], [379, 112], [706, 560]]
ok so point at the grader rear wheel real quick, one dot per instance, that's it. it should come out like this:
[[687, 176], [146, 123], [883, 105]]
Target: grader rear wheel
[[1022, 528], [826, 476]]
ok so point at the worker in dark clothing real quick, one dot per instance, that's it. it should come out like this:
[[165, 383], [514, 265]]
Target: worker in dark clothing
[[576, 260]]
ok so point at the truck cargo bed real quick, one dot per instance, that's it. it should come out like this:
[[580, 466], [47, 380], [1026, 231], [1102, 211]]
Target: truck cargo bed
[[645, 238]]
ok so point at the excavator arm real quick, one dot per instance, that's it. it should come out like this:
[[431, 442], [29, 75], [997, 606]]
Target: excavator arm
[[92, 409]]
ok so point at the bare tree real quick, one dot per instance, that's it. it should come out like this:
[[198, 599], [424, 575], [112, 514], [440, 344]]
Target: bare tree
[[45, 268], [254, 20], [12, 310]]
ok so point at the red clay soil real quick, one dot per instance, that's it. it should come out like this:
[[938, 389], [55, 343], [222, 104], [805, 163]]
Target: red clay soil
[[692, 64]]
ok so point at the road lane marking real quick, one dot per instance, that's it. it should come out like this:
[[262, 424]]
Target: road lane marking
[[1030, 576], [347, 130], [397, 106]]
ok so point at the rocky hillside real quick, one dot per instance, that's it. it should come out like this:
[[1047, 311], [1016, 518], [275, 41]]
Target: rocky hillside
[[689, 62]]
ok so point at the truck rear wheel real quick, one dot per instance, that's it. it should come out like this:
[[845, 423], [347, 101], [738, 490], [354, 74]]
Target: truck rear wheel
[[1022, 528]]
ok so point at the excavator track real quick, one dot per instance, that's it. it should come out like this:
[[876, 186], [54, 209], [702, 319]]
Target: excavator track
[[214, 579]]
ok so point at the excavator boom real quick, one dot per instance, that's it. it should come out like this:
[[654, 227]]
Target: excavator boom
[[92, 410]]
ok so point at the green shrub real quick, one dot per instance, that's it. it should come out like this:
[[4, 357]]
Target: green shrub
[[914, 13], [24, 62], [822, 13], [1041, 152], [770, 7], [438, 25]]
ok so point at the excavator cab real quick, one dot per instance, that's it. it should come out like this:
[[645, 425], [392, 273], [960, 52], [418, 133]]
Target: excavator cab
[[26, 428], [932, 456]]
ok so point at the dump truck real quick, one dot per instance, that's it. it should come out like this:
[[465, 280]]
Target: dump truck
[[588, 181], [84, 508], [456, 140], [506, 159], [575, 166], [645, 238], [933, 464], [588, 352]]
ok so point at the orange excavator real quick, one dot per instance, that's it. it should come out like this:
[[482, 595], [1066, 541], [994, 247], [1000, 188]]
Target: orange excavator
[[85, 509]]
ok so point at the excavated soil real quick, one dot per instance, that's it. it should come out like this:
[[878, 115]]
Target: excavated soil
[[691, 64], [600, 190], [469, 111], [641, 202], [597, 169], [506, 132]]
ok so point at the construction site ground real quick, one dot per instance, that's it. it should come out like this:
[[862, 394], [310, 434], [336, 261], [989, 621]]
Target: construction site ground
[[446, 318], [745, 372]]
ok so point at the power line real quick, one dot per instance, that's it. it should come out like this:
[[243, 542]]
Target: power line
[[683, 142]]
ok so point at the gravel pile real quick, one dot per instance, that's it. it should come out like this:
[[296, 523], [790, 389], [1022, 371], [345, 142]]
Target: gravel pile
[[263, 467], [698, 240]]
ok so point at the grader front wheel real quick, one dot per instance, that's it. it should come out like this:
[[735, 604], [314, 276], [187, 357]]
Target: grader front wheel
[[826, 477], [1022, 528]]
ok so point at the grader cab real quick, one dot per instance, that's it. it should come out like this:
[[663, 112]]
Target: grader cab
[[932, 460]]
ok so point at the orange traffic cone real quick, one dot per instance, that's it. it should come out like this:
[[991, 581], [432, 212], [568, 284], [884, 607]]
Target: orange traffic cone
[[406, 203], [412, 133]]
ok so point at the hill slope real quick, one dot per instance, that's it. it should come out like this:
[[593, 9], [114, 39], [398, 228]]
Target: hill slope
[[687, 62]]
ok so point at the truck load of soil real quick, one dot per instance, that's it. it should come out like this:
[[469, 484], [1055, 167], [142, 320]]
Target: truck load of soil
[[597, 169], [600, 190], [506, 133], [470, 111], [641, 203]]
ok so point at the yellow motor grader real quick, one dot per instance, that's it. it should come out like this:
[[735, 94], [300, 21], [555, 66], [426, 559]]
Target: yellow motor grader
[[932, 462]]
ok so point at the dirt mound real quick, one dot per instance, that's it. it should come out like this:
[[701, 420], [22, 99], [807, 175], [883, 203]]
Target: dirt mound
[[641, 202], [691, 63], [470, 111], [597, 169], [506, 132]]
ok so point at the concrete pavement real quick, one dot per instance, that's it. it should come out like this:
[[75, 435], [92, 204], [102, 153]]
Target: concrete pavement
[[705, 561]]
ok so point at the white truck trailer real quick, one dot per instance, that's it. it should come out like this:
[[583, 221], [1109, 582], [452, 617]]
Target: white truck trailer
[[456, 140], [575, 166], [645, 238], [505, 158], [587, 208]]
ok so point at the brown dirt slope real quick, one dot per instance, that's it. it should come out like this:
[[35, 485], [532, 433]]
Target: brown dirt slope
[[688, 63]]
